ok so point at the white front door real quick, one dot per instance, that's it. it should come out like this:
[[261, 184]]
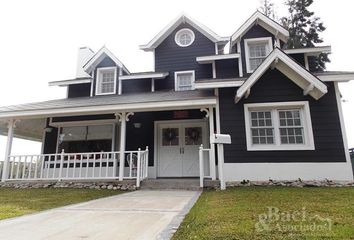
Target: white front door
[[178, 145]]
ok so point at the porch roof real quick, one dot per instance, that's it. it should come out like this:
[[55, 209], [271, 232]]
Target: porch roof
[[162, 100]]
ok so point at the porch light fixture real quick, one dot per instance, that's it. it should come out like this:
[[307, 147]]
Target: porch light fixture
[[137, 125], [48, 129]]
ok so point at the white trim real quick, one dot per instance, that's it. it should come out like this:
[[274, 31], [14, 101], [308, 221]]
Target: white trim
[[98, 80], [212, 58], [152, 84], [189, 31], [99, 56], [64, 83], [216, 49], [290, 68], [311, 51], [137, 107], [82, 123], [274, 107], [342, 77], [183, 18], [120, 86], [306, 171], [218, 83], [342, 126], [145, 75], [183, 72], [91, 87], [263, 21], [269, 48], [240, 67], [306, 61], [214, 69], [220, 147]]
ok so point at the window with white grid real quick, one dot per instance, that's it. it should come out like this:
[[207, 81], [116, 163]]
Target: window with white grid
[[106, 81], [262, 129], [184, 81], [278, 126], [257, 49]]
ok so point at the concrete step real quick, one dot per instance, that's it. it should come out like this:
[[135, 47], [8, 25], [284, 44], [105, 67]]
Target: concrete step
[[171, 183]]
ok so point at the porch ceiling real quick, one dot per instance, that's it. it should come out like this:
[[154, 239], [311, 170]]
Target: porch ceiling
[[29, 129], [140, 102]]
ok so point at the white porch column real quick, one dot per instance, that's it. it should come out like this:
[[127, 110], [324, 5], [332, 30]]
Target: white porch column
[[220, 146], [10, 134], [123, 127], [212, 146]]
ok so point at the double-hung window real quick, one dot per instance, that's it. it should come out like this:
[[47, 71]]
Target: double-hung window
[[106, 80], [257, 49], [184, 80], [278, 126]]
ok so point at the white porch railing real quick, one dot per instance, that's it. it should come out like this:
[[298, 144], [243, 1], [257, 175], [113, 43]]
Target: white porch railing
[[90, 165], [204, 164]]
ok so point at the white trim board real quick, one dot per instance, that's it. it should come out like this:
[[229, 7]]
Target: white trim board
[[265, 22], [294, 71], [340, 77], [287, 171], [184, 72], [249, 41], [183, 18], [99, 80], [311, 51], [143, 76], [212, 58], [135, 107], [64, 83], [218, 83]]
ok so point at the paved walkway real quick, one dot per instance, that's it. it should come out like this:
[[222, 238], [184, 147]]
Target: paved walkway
[[139, 215]]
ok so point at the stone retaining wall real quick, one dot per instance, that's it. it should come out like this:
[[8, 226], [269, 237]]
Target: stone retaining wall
[[123, 186]]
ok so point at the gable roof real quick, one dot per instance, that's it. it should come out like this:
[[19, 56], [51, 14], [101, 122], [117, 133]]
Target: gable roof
[[295, 72], [183, 18], [264, 21], [99, 56]]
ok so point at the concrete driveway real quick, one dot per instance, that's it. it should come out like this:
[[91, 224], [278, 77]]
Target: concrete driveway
[[139, 215]]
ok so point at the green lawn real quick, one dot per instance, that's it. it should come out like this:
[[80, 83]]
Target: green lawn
[[234, 214], [17, 202]]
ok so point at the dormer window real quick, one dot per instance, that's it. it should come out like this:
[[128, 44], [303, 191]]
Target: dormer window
[[184, 37], [106, 80], [257, 49], [184, 80]]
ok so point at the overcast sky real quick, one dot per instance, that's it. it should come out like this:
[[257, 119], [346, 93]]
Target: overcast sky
[[39, 41]]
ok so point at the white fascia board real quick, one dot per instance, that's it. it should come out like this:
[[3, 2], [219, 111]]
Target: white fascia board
[[135, 107], [344, 77], [99, 56], [283, 34], [278, 55], [218, 84], [64, 83], [175, 23], [142, 76], [210, 59], [312, 51]]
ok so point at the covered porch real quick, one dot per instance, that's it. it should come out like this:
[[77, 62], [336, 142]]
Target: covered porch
[[121, 141]]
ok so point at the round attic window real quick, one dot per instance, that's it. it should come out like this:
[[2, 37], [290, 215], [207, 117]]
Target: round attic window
[[184, 37]]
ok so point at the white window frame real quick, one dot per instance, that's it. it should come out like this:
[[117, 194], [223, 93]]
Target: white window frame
[[179, 33], [98, 79], [267, 40], [273, 107], [183, 72]]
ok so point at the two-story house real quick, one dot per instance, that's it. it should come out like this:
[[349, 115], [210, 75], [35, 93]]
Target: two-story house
[[284, 119]]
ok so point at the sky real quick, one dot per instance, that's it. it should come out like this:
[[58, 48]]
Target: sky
[[39, 41]]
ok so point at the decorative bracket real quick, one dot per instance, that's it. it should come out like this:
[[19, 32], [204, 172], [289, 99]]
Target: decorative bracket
[[120, 117], [128, 115], [13, 121], [206, 112]]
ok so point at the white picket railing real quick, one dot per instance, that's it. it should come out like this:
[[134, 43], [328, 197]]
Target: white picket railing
[[90, 165], [204, 164]]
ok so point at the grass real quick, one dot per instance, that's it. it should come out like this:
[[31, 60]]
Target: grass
[[17, 202], [234, 213]]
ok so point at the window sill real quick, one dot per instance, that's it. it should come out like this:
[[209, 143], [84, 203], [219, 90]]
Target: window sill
[[102, 94], [282, 148]]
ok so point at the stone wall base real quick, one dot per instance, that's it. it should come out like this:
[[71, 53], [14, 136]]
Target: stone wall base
[[291, 183], [111, 185]]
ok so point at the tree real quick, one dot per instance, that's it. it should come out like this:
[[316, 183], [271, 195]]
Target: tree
[[267, 7], [304, 29]]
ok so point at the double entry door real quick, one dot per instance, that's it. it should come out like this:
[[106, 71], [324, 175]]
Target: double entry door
[[178, 148]]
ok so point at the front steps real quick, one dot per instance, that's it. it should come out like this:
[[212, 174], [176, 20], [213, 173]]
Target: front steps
[[176, 183]]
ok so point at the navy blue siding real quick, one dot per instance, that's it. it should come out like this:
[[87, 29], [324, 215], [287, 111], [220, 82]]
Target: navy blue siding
[[136, 86], [79, 90], [275, 87], [227, 68], [169, 57]]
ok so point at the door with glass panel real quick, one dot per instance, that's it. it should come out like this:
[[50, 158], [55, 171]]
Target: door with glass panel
[[178, 146]]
